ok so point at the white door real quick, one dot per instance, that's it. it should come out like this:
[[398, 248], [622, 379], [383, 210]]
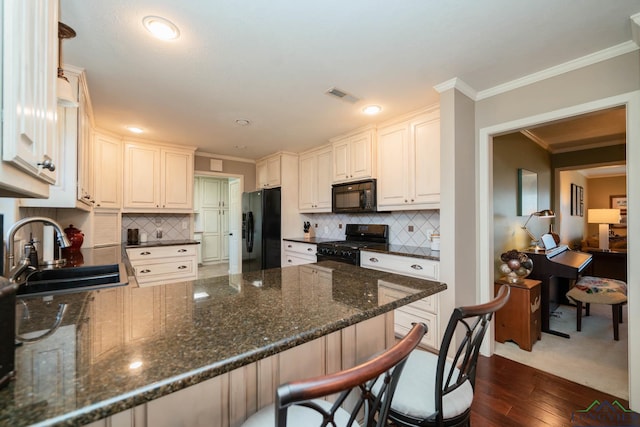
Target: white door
[[235, 213]]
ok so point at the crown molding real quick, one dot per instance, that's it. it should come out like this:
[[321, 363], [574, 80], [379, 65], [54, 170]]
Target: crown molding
[[219, 156], [593, 58], [459, 84], [635, 28]]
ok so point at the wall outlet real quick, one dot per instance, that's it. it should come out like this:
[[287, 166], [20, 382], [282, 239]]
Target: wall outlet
[[410, 228], [158, 233], [340, 226]]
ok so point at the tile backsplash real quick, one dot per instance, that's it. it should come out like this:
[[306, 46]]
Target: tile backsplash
[[173, 226], [423, 224]]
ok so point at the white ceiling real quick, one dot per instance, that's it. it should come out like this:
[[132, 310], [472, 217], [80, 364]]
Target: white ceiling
[[270, 62]]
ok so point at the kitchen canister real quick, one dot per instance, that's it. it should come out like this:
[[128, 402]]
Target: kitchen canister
[[435, 242]]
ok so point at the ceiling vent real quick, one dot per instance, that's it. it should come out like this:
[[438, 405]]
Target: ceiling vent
[[340, 94]]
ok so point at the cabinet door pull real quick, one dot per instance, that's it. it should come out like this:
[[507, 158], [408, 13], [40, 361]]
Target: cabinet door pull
[[182, 267], [373, 259], [47, 164], [182, 250], [145, 253], [145, 271], [416, 267]]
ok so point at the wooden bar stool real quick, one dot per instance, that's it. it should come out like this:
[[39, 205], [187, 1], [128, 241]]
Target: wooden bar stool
[[599, 290]]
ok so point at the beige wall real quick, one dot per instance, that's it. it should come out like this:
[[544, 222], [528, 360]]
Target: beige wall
[[510, 153], [571, 228], [599, 190], [233, 167]]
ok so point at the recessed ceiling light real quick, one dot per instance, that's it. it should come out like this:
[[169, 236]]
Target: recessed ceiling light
[[161, 28], [135, 365], [135, 129], [243, 122], [372, 109]]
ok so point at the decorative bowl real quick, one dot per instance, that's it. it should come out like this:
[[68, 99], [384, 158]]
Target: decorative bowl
[[515, 266]]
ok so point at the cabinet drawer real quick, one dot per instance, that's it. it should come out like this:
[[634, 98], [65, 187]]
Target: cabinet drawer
[[408, 266], [301, 248], [296, 259], [391, 292], [405, 316], [135, 254], [163, 270]]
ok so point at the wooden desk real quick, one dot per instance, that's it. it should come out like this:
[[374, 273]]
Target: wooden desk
[[519, 320]]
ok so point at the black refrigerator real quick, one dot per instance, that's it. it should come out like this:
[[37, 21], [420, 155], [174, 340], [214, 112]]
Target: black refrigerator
[[261, 230]]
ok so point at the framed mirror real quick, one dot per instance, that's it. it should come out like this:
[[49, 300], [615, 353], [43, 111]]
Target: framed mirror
[[527, 192]]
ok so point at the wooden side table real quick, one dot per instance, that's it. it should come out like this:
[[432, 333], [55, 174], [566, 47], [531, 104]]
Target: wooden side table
[[519, 320]]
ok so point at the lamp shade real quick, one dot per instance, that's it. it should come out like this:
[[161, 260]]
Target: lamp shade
[[603, 216]]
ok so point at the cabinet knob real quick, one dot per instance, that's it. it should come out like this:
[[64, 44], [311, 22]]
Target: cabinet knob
[[145, 271], [373, 259], [310, 249], [416, 267], [289, 260], [182, 250], [145, 253], [182, 267], [288, 246], [405, 200], [47, 164]]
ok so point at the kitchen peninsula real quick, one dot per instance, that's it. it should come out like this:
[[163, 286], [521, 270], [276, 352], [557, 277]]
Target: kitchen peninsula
[[199, 352]]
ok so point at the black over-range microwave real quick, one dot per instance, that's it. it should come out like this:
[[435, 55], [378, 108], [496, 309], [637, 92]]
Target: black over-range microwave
[[354, 197]]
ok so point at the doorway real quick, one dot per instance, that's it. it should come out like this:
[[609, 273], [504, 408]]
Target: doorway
[[486, 216], [217, 215]]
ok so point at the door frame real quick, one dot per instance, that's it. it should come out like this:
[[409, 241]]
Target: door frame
[[484, 221], [227, 176]]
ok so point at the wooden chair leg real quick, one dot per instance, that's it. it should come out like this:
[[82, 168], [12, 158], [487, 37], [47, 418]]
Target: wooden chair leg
[[620, 309], [588, 309], [579, 316], [615, 308]]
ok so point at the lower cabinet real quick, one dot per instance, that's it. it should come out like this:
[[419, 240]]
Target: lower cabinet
[[424, 310], [297, 253], [164, 264]]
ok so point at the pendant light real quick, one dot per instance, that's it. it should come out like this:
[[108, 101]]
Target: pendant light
[[63, 88]]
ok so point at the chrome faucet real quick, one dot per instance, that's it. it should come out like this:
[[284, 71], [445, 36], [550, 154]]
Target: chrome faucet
[[13, 271]]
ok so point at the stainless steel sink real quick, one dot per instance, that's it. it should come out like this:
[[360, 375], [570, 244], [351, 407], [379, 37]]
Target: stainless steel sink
[[73, 279]]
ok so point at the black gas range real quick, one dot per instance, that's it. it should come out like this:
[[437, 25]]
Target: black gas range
[[357, 237]]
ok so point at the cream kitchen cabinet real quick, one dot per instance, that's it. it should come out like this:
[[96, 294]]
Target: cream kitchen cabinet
[[157, 178], [297, 253], [268, 172], [409, 166], [28, 89], [164, 264], [315, 180], [212, 218], [354, 155], [425, 310], [30, 56], [85, 145], [107, 170]]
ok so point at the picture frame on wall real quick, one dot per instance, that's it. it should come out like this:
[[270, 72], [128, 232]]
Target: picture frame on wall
[[581, 201], [619, 202], [577, 200]]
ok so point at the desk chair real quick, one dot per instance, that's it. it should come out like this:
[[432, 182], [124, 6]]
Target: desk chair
[[434, 391], [299, 403], [599, 290]]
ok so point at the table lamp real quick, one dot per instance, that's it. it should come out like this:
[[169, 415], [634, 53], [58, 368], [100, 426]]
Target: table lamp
[[603, 217], [546, 213]]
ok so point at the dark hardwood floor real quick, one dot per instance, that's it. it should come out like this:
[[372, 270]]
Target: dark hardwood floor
[[508, 394]]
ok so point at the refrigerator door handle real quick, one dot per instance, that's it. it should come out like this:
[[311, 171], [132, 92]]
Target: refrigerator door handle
[[249, 240]]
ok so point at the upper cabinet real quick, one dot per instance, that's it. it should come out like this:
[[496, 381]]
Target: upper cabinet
[[268, 172], [315, 180], [409, 167], [354, 155], [73, 142], [157, 177], [29, 73], [107, 171]]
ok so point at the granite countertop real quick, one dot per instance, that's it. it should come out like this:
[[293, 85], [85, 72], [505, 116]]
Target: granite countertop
[[155, 243], [181, 333], [313, 239], [402, 250]]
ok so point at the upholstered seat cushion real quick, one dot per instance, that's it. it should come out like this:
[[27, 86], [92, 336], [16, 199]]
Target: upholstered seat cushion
[[599, 290], [297, 416], [415, 393]]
